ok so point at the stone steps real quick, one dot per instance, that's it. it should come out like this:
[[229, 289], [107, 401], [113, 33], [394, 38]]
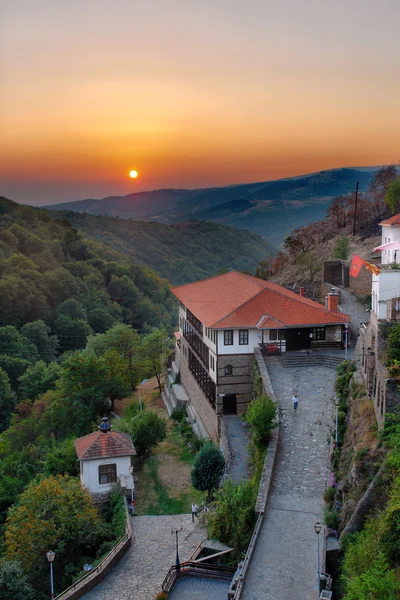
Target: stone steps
[[311, 360]]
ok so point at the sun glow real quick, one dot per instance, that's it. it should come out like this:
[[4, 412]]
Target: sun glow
[[133, 174]]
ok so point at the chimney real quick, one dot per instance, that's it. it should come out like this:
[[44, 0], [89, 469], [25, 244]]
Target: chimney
[[301, 291], [333, 302]]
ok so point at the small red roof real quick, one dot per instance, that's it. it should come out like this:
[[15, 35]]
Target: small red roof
[[237, 300], [104, 445], [395, 220]]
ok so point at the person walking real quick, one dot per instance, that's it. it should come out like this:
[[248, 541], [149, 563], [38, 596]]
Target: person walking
[[295, 401], [195, 510]]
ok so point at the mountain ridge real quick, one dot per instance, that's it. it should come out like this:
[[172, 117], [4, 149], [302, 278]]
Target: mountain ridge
[[271, 209]]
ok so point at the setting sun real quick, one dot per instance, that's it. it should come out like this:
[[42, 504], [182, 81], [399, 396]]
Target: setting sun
[[133, 174]]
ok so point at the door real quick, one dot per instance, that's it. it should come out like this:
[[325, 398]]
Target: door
[[229, 404], [298, 339]]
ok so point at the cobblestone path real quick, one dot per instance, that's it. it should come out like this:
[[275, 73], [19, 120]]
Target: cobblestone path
[[139, 575], [239, 438], [284, 564]]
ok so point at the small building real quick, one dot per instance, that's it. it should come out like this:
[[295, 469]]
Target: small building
[[222, 319], [105, 459]]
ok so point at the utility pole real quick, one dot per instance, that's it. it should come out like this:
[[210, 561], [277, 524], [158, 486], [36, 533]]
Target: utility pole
[[355, 210]]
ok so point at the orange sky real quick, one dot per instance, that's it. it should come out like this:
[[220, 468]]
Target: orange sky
[[192, 93]]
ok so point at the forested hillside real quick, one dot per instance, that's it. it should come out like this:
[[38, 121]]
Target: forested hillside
[[182, 252]]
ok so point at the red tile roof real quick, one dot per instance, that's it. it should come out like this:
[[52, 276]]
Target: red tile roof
[[237, 300], [395, 220], [104, 445]]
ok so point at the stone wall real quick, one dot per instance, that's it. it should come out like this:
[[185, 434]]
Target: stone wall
[[201, 404], [238, 383], [363, 283]]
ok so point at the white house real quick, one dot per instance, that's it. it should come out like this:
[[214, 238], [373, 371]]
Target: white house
[[105, 459], [222, 319], [386, 284]]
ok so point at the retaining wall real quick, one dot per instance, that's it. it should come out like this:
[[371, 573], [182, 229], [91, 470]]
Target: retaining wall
[[96, 575], [266, 476]]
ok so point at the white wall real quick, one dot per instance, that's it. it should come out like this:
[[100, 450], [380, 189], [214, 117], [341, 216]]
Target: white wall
[[90, 473], [390, 233], [254, 340], [385, 286]]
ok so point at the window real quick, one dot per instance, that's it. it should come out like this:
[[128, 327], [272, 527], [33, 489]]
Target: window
[[108, 473], [318, 333], [228, 338], [277, 334], [228, 370], [212, 362], [243, 337]]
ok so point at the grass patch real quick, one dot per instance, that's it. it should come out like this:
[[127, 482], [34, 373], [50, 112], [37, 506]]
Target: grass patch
[[156, 498]]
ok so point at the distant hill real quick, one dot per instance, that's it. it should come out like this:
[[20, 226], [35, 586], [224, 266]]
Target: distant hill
[[181, 252], [272, 209]]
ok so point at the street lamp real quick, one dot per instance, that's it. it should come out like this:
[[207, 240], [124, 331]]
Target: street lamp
[[132, 491], [346, 339], [140, 397], [50, 557], [317, 529], [177, 561]]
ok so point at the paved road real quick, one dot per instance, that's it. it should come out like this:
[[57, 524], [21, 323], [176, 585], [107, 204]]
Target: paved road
[[284, 564], [239, 437], [139, 575]]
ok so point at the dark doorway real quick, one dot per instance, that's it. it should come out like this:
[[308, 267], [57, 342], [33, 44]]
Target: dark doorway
[[229, 404], [298, 339]]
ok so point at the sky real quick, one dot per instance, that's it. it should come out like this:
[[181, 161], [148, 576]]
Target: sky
[[192, 93]]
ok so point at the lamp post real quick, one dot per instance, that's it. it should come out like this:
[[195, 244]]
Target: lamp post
[[346, 339], [317, 529], [140, 397], [132, 491], [177, 561], [50, 557]]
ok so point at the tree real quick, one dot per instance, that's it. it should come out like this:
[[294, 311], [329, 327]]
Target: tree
[[71, 308], [208, 468], [55, 513], [39, 334], [14, 583], [7, 400], [13, 343], [341, 249], [233, 519], [147, 430], [72, 333], [260, 416], [309, 264], [100, 319], [379, 186], [14, 367], [152, 350], [392, 197], [263, 269], [38, 379]]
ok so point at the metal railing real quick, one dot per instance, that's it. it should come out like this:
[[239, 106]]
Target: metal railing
[[216, 571]]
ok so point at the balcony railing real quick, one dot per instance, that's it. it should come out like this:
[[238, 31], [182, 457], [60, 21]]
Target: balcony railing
[[197, 344]]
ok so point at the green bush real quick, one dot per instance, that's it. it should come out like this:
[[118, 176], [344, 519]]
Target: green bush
[[260, 416], [329, 496], [208, 468], [341, 249], [331, 519], [179, 414]]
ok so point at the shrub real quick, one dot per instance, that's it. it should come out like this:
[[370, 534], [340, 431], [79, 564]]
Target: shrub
[[161, 596], [208, 468], [331, 519], [329, 496], [341, 249], [179, 414], [260, 416]]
